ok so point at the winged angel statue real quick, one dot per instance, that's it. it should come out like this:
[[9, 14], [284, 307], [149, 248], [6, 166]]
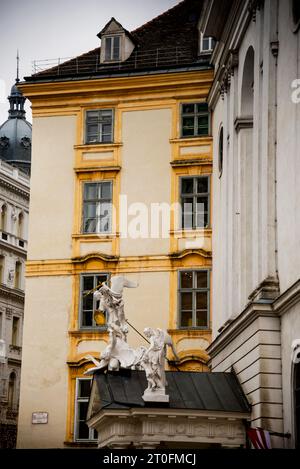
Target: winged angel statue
[[118, 353]]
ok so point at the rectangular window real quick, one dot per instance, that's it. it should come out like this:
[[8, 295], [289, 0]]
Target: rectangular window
[[18, 275], [194, 120], [15, 331], [206, 44], [112, 48], [87, 301], [82, 431], [194, 193], [97, 207], [1, 269], [99, 126], [194, 298]]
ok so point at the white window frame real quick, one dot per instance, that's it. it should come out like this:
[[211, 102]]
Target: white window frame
[[91, 438], [100, 127], [194, 196], [82, 276], [98, 202], [111, 57], [194, 290], [195, 115], [210, 44]]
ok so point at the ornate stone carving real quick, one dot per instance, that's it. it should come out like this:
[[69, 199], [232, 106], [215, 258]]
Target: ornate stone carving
[[26, 142], [227, 72], [14, 214], [4, 142], [296, 351], [168, 428], [8, 313], [253, 6], [153, 362], [117, 352]]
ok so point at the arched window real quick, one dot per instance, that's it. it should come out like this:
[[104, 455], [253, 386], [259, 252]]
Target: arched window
[[297, 404], [248, 85], [20, 232], [18, 274], [11, 389], [3, 219], [220, 152], [296, 14]]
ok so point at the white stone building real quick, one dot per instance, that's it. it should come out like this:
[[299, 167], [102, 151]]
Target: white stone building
[[15, 140], [256, 227]]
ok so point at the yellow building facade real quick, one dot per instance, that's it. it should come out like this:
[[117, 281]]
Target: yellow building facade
[[144, 163]]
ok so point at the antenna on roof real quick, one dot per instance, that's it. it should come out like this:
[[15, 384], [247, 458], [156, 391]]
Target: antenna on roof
[[18, 59]]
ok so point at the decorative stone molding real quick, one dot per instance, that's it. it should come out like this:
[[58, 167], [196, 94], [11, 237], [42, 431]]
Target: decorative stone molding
[[4, 141], [190, 162], [243, 123], [26, 142], [186, 252], [268, 289], [227, 72], [11, 293], [15, 189], [274, 48], [14, 214], [253, 7], [146, 429]]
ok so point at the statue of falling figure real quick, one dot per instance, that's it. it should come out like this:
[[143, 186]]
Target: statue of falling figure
[[118, 353]]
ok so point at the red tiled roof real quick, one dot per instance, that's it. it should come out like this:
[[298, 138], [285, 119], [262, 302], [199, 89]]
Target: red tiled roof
[[169, 40]]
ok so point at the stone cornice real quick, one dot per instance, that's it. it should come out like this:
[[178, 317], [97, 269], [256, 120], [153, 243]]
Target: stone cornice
[[233, 328], [15, 187], [143, 83], [191, 162], [149, 426], [93, 169], [288, 299], [13, 293], [271, 308], [8, 247]]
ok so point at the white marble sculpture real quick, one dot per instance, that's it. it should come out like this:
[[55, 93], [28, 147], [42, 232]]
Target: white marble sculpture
[[153, 362], [296, 351], [117, 352]]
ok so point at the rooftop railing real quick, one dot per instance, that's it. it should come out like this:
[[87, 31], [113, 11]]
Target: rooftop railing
[[153, 58]]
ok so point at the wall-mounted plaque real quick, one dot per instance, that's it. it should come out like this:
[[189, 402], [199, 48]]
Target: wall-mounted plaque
[[39, 417]]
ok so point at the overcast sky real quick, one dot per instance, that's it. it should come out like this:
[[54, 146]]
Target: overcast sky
[[48, 29]]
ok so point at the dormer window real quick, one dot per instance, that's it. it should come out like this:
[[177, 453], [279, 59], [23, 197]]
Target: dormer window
[[117, 43], [113, 48], [206, 44]]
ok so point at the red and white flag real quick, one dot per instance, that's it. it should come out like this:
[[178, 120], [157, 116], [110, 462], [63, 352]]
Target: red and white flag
[[259, 438]]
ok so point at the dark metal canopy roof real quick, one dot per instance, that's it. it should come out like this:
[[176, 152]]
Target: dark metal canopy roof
[[187, 390]]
